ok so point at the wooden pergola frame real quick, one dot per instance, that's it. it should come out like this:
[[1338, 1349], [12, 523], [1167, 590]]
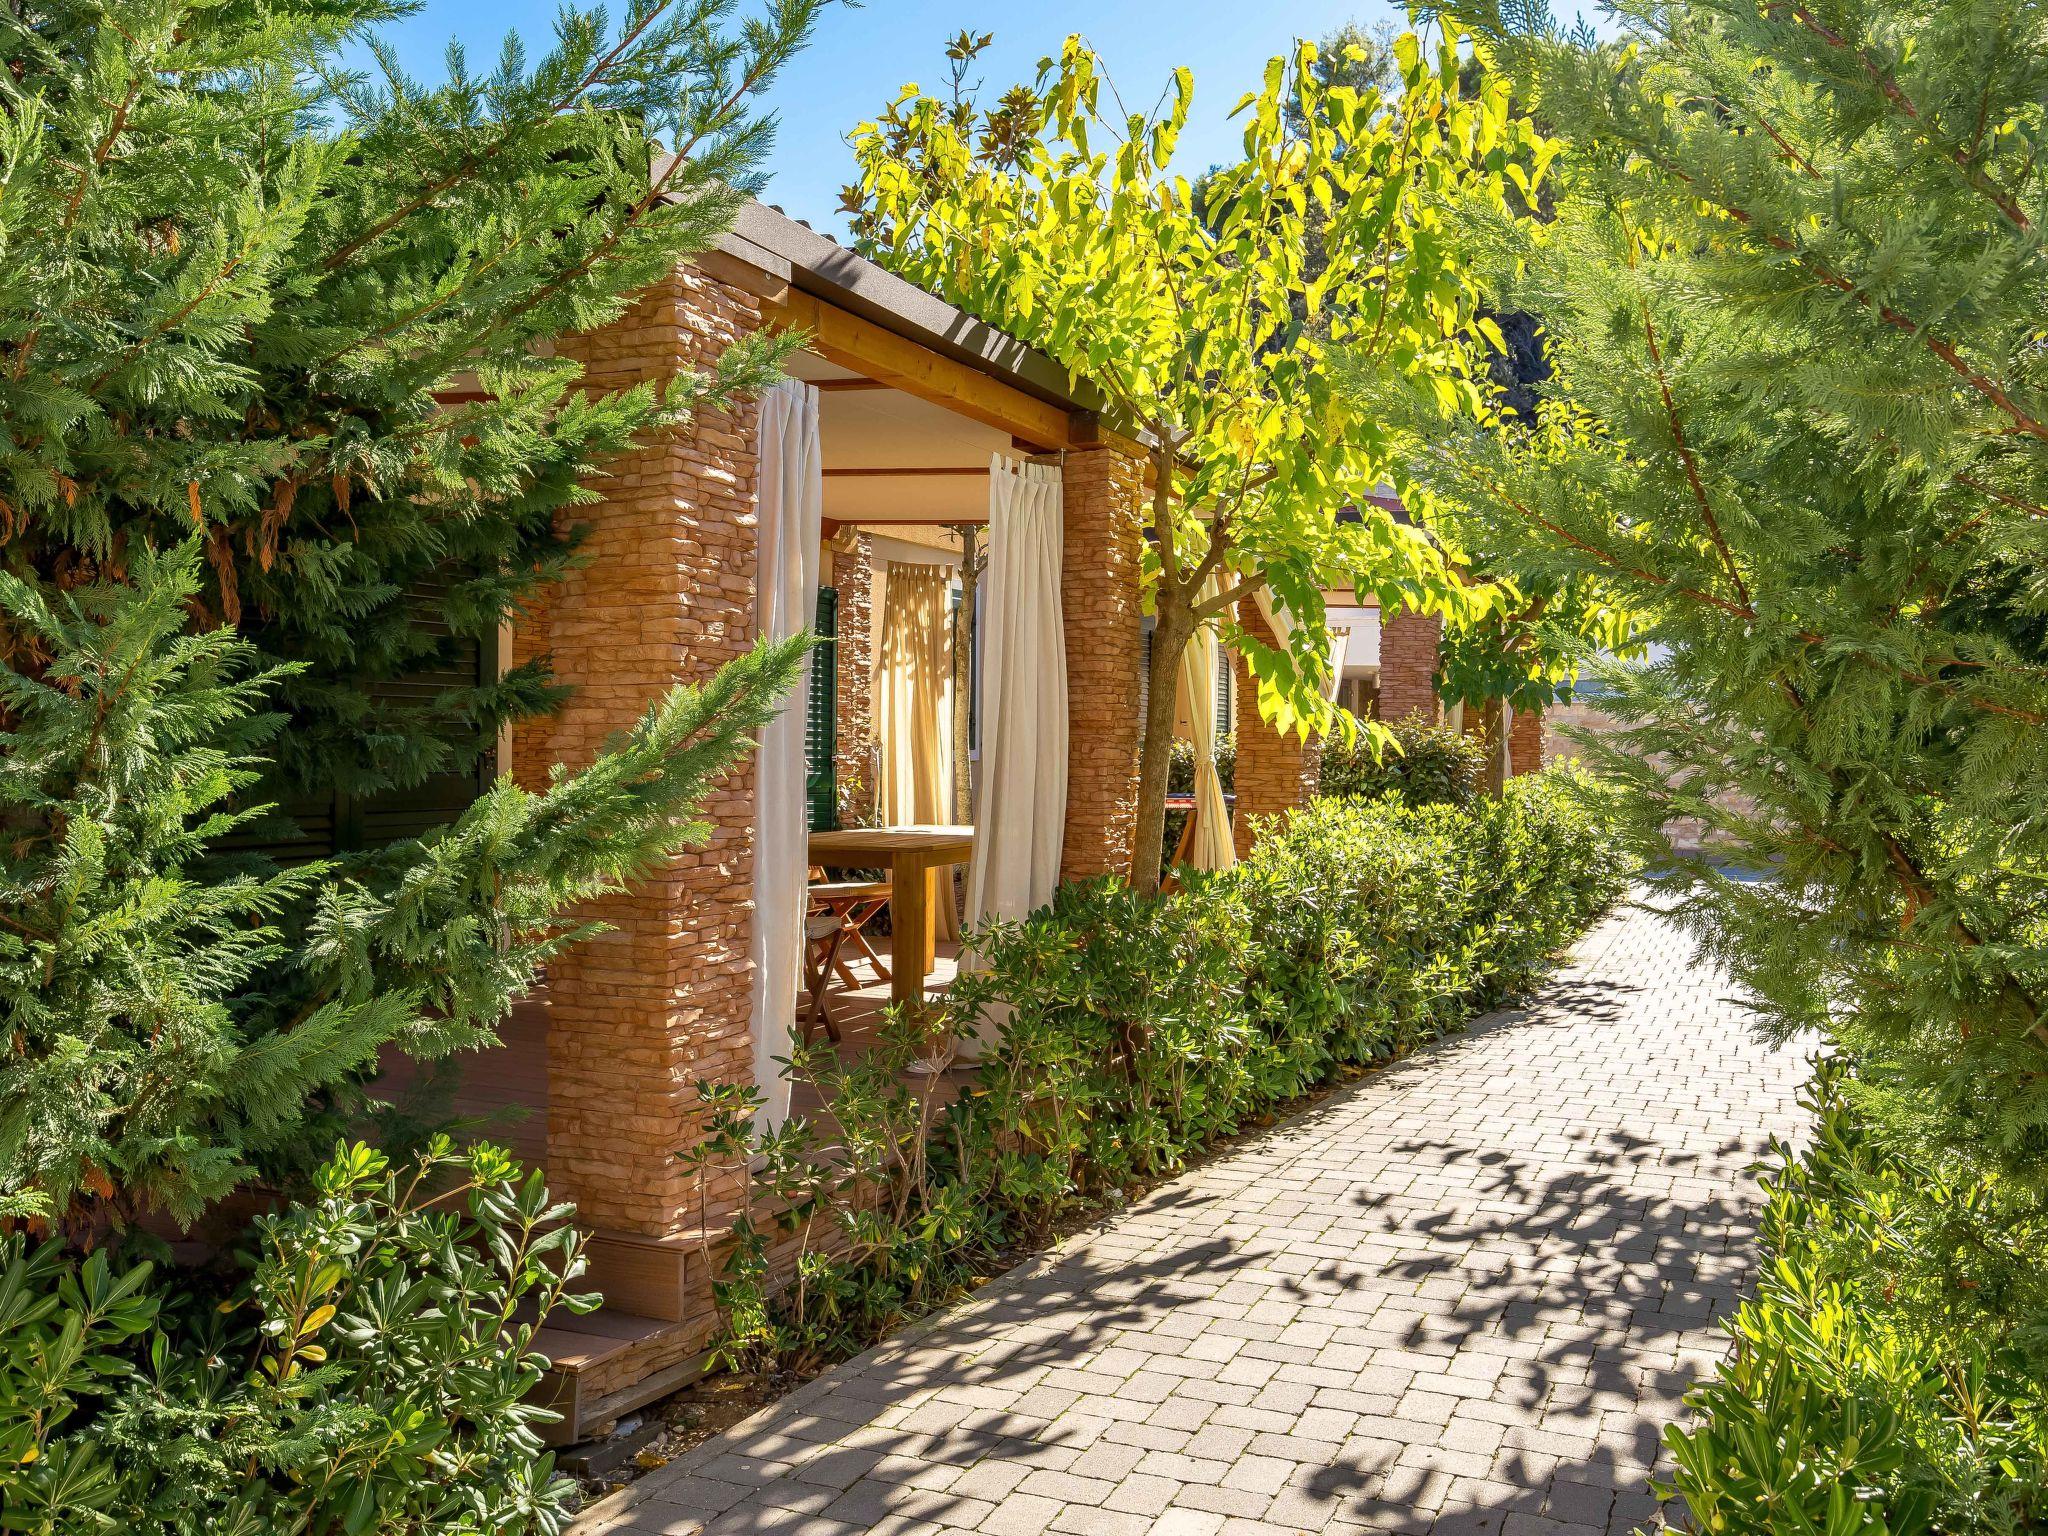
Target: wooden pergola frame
[[896, 362]]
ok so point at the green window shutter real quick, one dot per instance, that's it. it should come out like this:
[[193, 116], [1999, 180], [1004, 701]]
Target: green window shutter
[[1144, 672], [821, 718]]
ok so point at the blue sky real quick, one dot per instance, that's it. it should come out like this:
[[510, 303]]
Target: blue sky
[[859, 58]]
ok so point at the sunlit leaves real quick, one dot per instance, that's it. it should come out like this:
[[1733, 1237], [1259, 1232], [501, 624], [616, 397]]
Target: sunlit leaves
[[1206, 313]]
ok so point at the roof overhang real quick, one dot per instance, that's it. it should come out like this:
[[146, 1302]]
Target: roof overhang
[[814, 264]]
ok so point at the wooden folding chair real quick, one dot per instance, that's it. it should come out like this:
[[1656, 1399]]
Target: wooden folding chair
[[856, 903], [823, 934]]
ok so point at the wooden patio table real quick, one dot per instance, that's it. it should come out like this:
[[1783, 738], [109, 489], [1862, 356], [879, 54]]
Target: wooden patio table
[[915, 855]]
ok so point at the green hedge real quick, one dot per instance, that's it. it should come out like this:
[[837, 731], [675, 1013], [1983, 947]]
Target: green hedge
[[1890, 1375], [1126, 1034], [1428, 765]]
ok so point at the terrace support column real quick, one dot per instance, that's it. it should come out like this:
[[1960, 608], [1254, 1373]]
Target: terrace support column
[[1525, 742], [1408, 662], [1102, 495], [1277, 772], [637, 1015], [853, 568]]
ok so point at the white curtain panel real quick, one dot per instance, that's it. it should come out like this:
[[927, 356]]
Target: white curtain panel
[[1020, 803], [1200, 661], [789, 508]]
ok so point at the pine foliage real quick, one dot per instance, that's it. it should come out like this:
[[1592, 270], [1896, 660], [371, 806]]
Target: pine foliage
[[1799, 423], [310, 313], [176, 1024]]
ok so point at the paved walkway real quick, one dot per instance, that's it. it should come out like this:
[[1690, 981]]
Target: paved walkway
[[1462, 1295]]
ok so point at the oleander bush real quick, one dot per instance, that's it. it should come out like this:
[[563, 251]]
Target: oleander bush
[[1890, 1373], [1426, 765], [1121, 1035], [362, 1366]]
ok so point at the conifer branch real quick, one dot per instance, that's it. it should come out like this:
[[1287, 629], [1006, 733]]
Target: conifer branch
[[477, 160], [2031, 509], [1894, 94], [1685, 456], [1979, 381]]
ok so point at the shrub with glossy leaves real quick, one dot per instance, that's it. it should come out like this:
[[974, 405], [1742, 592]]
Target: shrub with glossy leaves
[[1888, 1375], [1434, 765], [364, 1369]]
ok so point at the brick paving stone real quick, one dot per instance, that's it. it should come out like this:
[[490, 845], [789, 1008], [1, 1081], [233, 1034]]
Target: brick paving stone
[[1459, 1297]]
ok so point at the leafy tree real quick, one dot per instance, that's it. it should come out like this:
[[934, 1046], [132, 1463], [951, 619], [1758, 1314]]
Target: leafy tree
[[1209, 320], [311, 314], [1800, 419], [176, 1026]]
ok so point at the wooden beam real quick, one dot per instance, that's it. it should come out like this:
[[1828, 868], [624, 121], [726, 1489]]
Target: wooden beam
[[915, 469], [846, 339], [836, 386]]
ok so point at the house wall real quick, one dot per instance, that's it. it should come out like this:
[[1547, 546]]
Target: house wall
[[1525, 742], [1408, 661], [853, 749]]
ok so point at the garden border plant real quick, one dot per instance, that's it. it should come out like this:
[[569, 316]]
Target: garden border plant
[[1122, 1036]]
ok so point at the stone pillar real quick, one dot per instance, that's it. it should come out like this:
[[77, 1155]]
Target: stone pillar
[[1408, 660], [637, 1015], [1276, 772], [1525, 742], [854, 751], [1099, 559]]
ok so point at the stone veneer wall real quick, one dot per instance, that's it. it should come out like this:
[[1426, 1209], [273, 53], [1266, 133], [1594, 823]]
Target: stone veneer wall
[[1276, 773], [1101, 496], [1408, 657], [637, 1015], [853, 750], [1525, 742]]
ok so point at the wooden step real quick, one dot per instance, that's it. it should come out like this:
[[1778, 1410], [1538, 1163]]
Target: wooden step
[[607, 1363]]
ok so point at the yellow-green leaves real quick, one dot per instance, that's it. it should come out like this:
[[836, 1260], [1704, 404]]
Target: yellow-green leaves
[[1209, 312]]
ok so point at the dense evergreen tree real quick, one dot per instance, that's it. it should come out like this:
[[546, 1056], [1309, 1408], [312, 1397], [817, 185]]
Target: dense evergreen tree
[[311, 313], [283, 415], [1799, 421]]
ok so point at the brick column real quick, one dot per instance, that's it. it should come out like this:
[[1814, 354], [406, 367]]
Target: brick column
[[1276, 772], [1408, 658], [1525, 742], [666, 595], [1101, 496], [854, 751]]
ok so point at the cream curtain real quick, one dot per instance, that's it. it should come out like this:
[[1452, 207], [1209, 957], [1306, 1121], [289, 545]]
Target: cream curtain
[[914, 782], [789, 504], [1020, 802], [1211, 846]]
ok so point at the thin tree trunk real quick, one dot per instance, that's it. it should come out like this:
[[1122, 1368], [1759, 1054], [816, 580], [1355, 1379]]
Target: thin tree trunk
[[1155, 752], [1493, 735]]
